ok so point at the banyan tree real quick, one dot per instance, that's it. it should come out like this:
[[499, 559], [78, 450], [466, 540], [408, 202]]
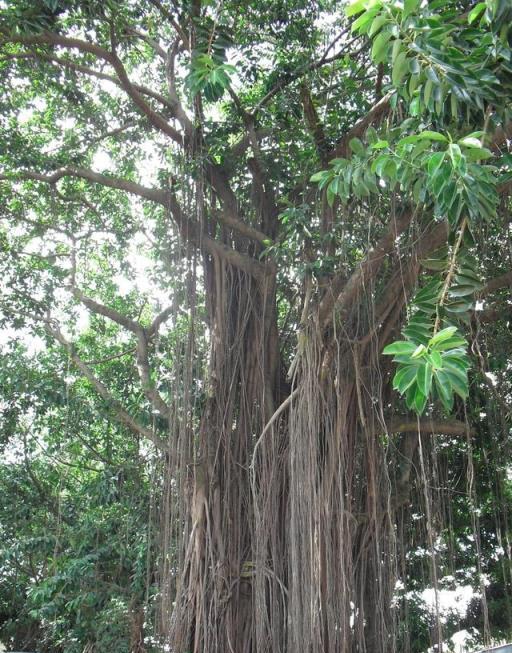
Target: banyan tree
[[313, 200]]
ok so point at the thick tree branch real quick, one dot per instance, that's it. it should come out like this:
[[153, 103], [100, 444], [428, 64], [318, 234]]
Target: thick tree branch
[[313, 123], [155, 118], [375, 114], [244, 143], [177, 107], [154, 194], [340, 295], [189, 230], [50, 38], [162, 317], [143, 337], [502, 281], [86, 70], [426, 426], [229, 215], [106, 311]]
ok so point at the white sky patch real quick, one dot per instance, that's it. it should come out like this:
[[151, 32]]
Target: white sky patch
[[67, 123], [34, 344], [492, 378], [449, 601], [149, 164], [25, 116], [102, 160]]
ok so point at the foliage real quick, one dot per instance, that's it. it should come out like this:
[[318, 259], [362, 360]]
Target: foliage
[[230, 234]]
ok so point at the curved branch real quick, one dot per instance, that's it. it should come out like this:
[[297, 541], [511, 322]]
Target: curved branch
[[51, 38], [177, 107], [106, 311], [153, 194], [143, 337], [159, 320], [375, 114], [341, 294], [153, 44], [86, 70], [497, 283], [190, 230], [425, 426]]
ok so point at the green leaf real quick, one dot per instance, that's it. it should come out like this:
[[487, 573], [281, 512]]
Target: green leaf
[[397, 46], [469, 141], [444, 334], [476, 12], [414, 66], [400, 67], [355, 8], [429, 292], [479, 154], [459, 362], [410, 6], [419, 351], [410, 396], [318, 176], [415, 106], [419, 336], [458, 307], [456, 359], [455, 154], [404, 377], [378, 22], [434, 264], [424, 378], [454, 106], [380, 47], [420, 401], [459, 385], [399, 347], [450, 343], [432, 136], [435, 162], [462, 290], [379, 164], [469, 278], [444, 389], [364, 22], [436, 360], [380, 145], [357, 147], [427, 92]]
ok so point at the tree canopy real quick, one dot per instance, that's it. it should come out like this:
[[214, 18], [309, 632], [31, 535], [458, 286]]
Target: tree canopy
[[255, 388]]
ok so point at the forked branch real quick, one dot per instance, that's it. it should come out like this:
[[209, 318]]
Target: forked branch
[[143, 336], [119, 412]]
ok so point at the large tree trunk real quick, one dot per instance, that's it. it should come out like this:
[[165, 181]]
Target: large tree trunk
[[215, 605], [291, 541]]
